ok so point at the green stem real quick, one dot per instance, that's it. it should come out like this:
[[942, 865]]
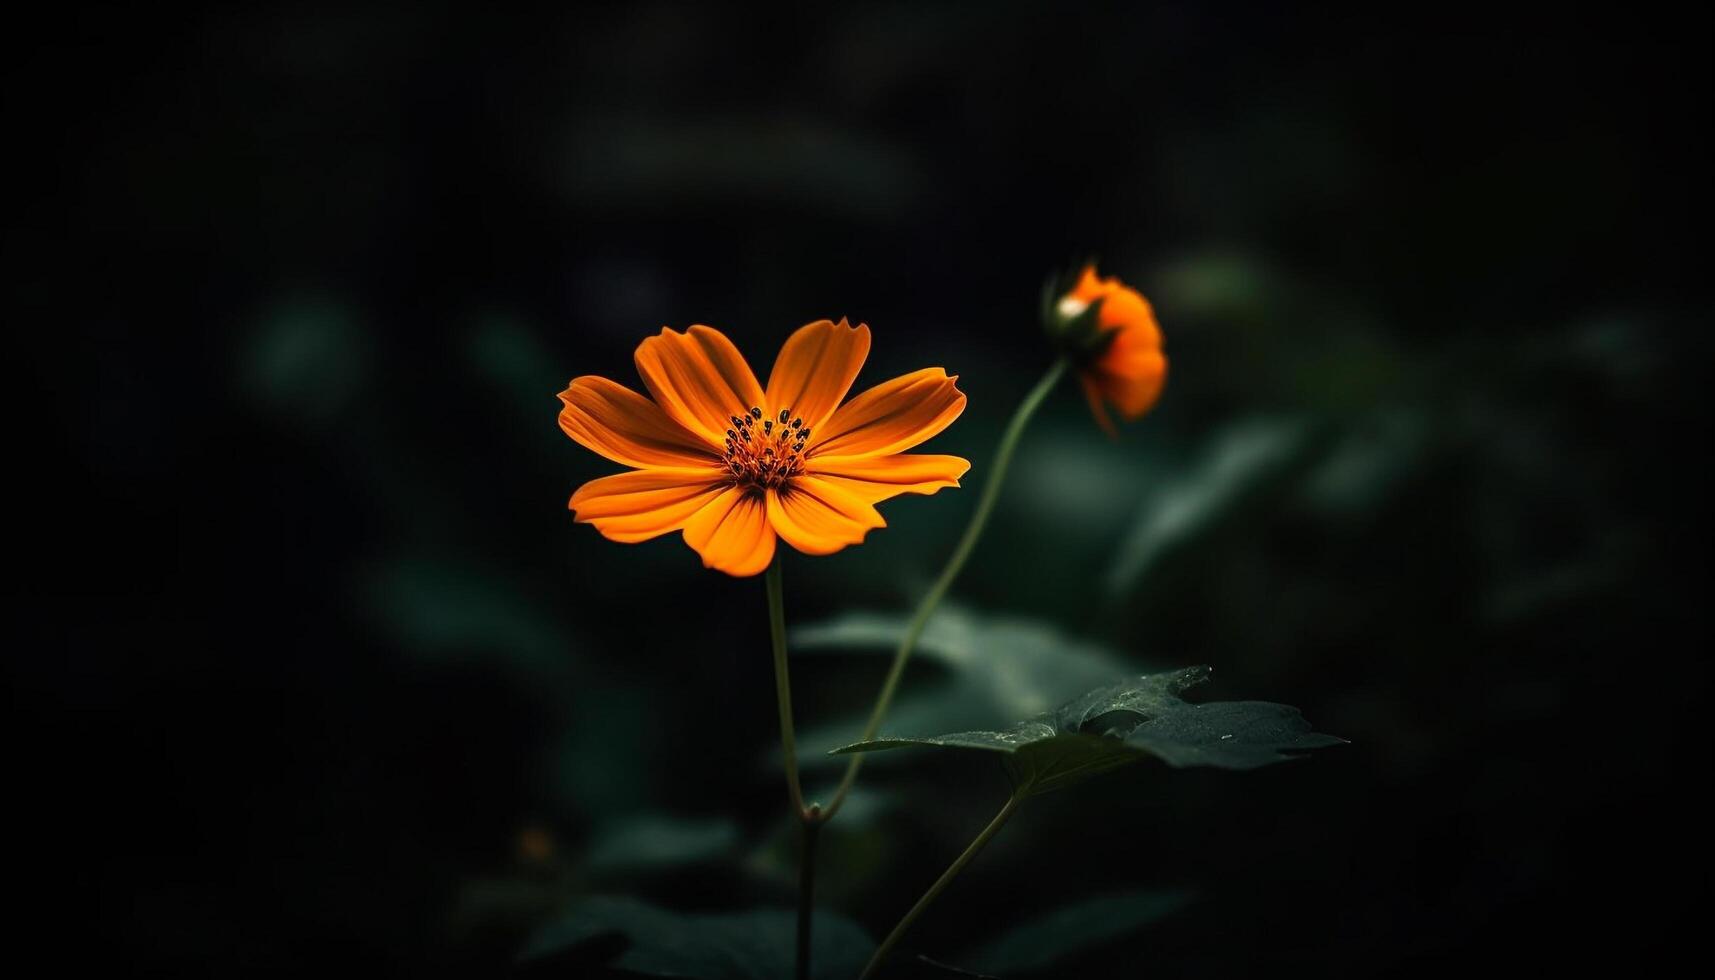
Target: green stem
[[811, 817], [973, 531], [807, 889], [940, 885], [783, 684]]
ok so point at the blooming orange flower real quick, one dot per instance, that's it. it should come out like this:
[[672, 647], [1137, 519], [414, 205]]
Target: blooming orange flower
[[733, 465], [1126, 367]]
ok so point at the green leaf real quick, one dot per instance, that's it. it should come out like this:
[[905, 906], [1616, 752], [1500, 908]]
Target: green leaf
[[1047, 939], [448, 612], [1142, 717], [993, 666], [1242, 464], [308, 360], [626, 934], [651, 842]]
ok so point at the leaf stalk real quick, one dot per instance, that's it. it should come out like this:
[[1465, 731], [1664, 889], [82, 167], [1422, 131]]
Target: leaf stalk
[[967, 543], [1019, 794]]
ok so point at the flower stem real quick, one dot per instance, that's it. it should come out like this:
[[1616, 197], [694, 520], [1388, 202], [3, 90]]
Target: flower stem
[[810, 817], [807, 888], [940, 885], [973, 531], [783, 685]]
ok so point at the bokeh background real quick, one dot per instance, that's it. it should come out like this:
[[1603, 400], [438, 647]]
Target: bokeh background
[[312, 666]]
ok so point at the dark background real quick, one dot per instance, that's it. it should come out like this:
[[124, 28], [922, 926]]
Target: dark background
[[312, 667]]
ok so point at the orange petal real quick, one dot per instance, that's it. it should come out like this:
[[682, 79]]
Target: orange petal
[[819, 518], [1125, 308], [1134, 352], [732, 533], [644, 504], [893, 416], [1093, 394], [1090, 286], [1136, 395], [876, 478], [816, 368], [622, 425], [699, 378], [1132, 370]]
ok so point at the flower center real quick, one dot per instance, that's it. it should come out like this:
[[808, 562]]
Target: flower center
[[764, 453], [1070, 306]]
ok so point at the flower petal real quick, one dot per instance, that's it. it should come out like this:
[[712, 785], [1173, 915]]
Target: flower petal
[[1132, 370], [876, 478], [732, 533], [647, 503], [819, 518], [816, 368], [622, 425], [699, 378], [893, 416], [1134, 396], [1125, 308], [1093, 394], [1091, 286]]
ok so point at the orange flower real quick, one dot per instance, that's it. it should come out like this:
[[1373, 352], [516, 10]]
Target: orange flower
[[733, 465], [1123, 365]]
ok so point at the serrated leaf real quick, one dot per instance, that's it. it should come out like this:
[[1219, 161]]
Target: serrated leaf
[[1229, 735], [1072, 929], [1141, 717], [626, 934], [997, 667]]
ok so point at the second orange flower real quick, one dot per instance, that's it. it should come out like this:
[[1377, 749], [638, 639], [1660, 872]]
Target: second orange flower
[[734, 465], [1121, 362]]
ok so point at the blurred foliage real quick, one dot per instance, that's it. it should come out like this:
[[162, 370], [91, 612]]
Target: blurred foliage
[[657, 841], [1049, 938], [1244, 460], [315, 668], [655, 942]]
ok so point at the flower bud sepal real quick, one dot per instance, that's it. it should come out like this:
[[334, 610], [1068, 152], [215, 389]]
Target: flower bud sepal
[[1073, 326]]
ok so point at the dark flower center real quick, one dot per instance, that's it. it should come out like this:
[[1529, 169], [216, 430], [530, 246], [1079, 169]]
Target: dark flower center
[[764, 453]]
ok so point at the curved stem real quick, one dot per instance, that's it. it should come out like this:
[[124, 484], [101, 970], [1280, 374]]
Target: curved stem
[[940, 885], [783, 684], [967, 543]]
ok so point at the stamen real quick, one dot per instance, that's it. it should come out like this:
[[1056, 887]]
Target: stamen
[[764, 457]]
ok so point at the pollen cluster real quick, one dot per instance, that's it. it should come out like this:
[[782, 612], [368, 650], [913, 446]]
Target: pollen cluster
[[764, 453]]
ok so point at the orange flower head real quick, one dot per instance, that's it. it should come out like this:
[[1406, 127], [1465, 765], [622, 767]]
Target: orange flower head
[[1110, 331], [733, 465]]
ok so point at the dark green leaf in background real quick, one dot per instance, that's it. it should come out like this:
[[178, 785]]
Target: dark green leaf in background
[[651, 841], [1071, 929], [1244, 459], [630, 935]]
